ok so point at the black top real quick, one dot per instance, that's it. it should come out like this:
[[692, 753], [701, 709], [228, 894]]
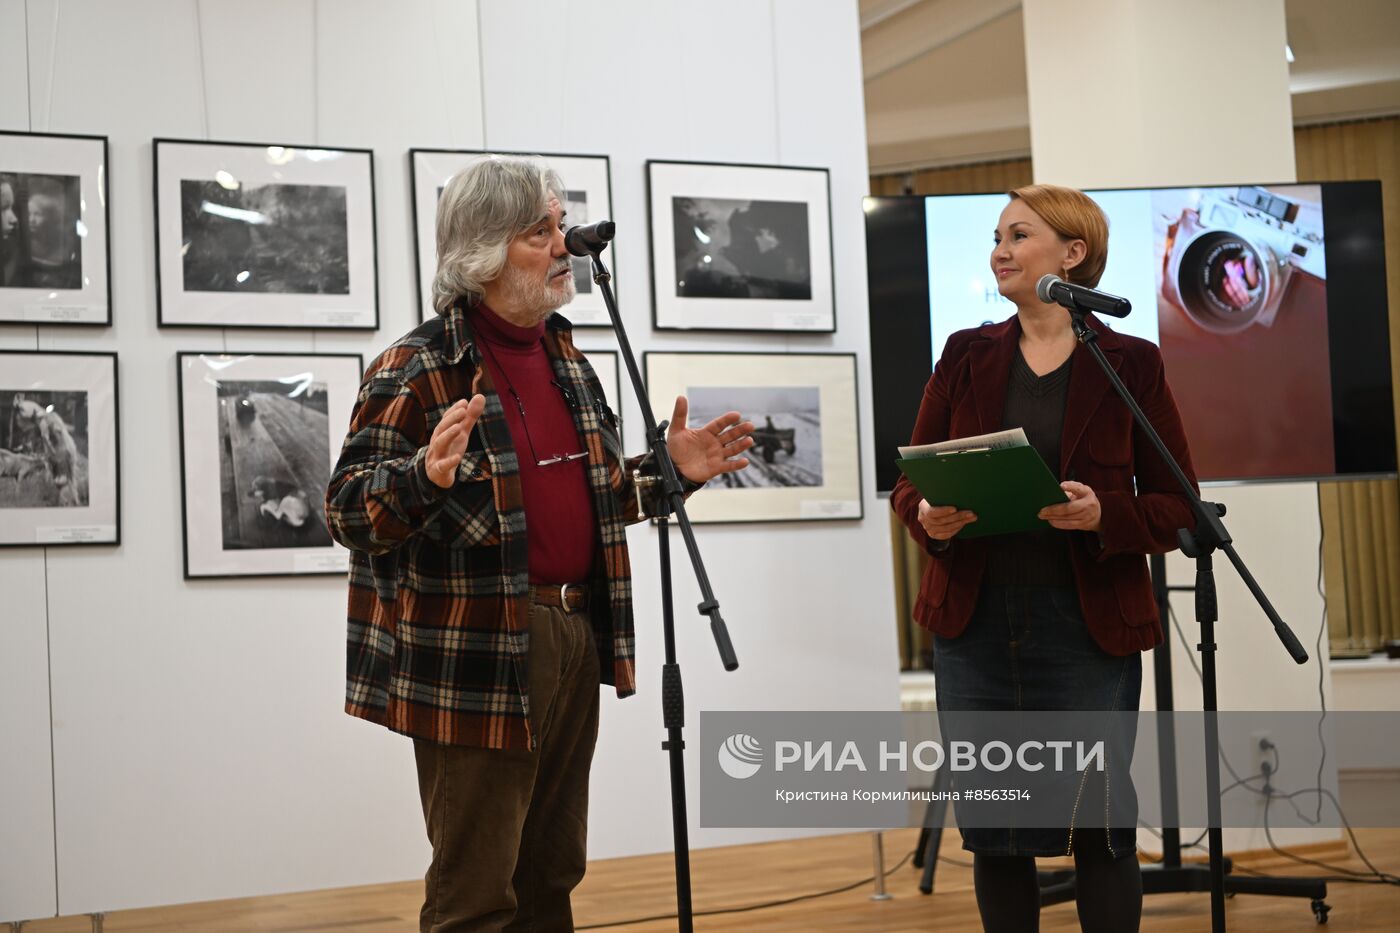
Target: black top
[[1037, 404]]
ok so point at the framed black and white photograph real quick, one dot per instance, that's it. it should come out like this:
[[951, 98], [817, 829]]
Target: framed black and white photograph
[[55, 246], [805, 462], [259, 435], [740, 247], [587, 199], [251, 235], [607, 364], [59, 475]]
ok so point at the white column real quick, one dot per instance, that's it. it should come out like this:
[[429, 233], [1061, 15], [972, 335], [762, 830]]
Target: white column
[[1129, 93]]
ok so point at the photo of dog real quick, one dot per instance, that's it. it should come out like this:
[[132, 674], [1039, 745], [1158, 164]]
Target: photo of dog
[[43, 449], [19, 466]]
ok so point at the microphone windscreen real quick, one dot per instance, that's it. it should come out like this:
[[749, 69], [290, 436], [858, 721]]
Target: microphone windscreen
[[585, 240], [1042, 288], [573, 242]]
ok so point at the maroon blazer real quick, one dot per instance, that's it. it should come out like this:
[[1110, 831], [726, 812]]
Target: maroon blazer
[[1100, 447]]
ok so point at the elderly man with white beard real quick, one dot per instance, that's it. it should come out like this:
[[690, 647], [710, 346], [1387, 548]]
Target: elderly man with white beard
[[484, 497]]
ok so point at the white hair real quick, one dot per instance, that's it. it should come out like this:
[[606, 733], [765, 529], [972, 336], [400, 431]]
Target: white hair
[[480, 211]]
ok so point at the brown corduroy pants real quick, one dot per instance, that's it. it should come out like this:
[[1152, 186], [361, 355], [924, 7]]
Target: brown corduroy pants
[[509, 828]]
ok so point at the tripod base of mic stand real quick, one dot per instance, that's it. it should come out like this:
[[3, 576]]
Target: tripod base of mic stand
[[1056, 887]]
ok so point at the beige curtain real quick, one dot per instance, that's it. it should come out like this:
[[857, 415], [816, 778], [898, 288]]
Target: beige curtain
[[979, 178], [909, 559], [1361, 520]]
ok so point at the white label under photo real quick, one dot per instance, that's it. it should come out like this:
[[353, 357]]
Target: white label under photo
[[62, 313], [338, 562], [797, 320], [315, 317], [74, 534], [830, 508]]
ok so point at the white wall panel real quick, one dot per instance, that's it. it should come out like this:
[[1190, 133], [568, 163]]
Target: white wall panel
[[95, 65], [105, 70], [396, 76], [28, 884], [1152, 112], [259, 69], [405, 74], [14, 75], [670, 79]]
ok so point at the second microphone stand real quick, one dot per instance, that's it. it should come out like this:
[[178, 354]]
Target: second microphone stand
[[1201, 544], [672, 695]]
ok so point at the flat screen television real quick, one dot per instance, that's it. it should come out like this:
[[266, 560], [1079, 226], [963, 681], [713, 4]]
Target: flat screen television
[[1283, 375]]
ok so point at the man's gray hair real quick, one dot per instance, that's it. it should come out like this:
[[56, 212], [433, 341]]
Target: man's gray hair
[[482, 209]]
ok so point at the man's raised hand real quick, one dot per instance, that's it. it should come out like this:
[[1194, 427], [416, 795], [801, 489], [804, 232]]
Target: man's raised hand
[[449, 440]]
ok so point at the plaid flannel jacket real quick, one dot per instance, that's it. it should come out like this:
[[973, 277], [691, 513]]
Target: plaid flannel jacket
[[439, 586]]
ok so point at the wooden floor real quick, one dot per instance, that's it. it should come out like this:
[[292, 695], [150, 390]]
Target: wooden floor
[[622, 889]]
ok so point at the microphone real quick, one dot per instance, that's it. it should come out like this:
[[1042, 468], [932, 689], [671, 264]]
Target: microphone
[[1052, 289], [590, 239]]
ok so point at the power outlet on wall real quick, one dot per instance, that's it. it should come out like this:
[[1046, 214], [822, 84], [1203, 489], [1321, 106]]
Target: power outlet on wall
[[1261, 755]]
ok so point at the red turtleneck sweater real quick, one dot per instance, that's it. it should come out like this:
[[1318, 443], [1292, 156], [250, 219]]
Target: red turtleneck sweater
[[560, 525]]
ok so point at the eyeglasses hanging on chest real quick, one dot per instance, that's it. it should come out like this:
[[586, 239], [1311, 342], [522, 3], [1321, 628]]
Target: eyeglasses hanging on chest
[[525, 423], [569, 400]]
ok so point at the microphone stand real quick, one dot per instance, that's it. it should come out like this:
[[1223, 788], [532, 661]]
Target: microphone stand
[[672, 695], [1209, 536]]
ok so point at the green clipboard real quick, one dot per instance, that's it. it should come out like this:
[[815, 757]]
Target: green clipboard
[[1005, 488]]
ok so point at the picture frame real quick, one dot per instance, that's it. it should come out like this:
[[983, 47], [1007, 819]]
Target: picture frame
[[55, 237], [805, 463], [588, 179], [259, 437], [60, 469], [265, 235], [608, 365], [738, 247]]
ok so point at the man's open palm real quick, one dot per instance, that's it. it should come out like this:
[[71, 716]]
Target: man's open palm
[[449, 440]]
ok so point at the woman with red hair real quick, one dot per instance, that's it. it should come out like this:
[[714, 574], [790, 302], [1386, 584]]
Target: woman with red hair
[[1053, 619]]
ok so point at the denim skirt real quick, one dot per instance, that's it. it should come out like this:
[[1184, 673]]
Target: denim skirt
[[1028, 648]]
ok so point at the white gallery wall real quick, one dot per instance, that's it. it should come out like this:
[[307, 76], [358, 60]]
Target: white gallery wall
[[164, 740]]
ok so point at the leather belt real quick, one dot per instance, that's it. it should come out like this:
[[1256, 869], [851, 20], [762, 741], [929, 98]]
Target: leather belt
[[565, 596]]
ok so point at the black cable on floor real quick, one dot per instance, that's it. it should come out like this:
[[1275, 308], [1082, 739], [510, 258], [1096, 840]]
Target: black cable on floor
[[1375, 876], [1317, 652]]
